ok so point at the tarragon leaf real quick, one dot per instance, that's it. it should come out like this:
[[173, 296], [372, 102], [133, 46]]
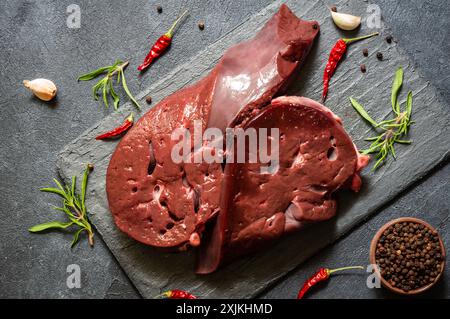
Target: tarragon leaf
[[114, 95], [83, 188], [358, 107], [49, 225], [54, 191], [91, 75], [127, 91], [76, 237], [104, 93], [396, 85], [95, 89]]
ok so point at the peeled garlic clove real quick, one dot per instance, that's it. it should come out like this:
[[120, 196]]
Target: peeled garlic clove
[[345, 21], [44, 89]]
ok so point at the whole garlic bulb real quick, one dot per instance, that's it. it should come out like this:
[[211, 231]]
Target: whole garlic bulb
[[345, 21], [43, 89]]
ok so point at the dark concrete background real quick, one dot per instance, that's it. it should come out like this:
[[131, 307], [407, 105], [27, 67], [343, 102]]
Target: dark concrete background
[[35, 42]]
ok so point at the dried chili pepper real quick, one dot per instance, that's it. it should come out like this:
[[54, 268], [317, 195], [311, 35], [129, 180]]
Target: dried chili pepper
[[118, 130], [336, 55], [322, 275], [161, 45], [177, 294]]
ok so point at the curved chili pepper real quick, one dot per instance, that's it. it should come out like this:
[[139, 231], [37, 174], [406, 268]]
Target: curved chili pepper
[[336, 54], [322, 275], [178, 294], [118, 130], [160, 46]]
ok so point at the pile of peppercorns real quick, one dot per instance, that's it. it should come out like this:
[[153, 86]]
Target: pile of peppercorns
[[409, 255]]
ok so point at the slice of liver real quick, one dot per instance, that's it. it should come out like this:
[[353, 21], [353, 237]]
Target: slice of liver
[[164, 204], [317, 157]]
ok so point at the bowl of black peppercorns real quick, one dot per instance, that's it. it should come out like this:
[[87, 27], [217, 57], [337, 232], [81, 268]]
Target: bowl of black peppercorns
[[409, 255]]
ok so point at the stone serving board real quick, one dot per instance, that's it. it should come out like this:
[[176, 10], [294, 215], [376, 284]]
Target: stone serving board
[[153, 271]]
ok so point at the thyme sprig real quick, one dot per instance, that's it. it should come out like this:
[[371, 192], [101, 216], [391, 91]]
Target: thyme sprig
[[74, 206], [105, 85], [391, 131]]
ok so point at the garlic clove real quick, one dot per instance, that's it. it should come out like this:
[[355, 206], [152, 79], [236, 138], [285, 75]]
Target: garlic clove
[[345, 21], [43, 89]]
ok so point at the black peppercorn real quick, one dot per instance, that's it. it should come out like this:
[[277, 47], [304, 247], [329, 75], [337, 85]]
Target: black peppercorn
[[365, 52], [379, 56], [389, 39], [333, 8], [148, 99], [201, 25], [363, 68], [159, 9]]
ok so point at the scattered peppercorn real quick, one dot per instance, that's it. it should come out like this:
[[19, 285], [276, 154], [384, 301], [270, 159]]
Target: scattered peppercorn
[[363, 68], [380, 56], [389, 39], [90, 167], [333, 8], [201, 25], [159, 9], [406, 260], [365, 52], [315, 26], [148, 99]]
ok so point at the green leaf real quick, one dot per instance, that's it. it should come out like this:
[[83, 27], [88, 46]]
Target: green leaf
[[91, 75], [117, 63], [58, 184], [104, 93], [358, 107], [76, 236], [95, 89], [74, 179], [54, 191], [49, 225], [409, 105], [391, 147], [83, 188], [114, 95], [396, 85], [66, 211], [125, 87], [403, 142]]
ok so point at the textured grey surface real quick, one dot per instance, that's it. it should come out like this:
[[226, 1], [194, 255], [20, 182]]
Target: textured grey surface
[[36, 42], [152, 271]]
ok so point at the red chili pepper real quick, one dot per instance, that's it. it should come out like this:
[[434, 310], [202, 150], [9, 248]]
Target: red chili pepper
[[335, 56], [177, 294], [161, 45], [118, 130], [322, 275]]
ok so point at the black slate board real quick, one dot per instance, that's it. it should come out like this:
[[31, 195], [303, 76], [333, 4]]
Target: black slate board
[[152, 271]]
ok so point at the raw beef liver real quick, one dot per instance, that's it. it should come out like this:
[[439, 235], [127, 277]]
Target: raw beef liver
[[316, 158], [164, 204]]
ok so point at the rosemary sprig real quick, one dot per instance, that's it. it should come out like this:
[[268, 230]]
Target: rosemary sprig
[[105, 85], [392, 131], [73, 206]]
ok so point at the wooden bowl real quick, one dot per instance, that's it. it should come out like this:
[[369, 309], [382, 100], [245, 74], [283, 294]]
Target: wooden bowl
[[373, 247]]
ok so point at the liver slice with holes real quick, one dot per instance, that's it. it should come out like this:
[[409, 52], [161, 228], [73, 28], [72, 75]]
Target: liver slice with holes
[[316, 158], [164, 204]]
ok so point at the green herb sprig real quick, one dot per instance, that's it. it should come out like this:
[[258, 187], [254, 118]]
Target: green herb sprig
[[105, 85], [392, 131], [73, 206]]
